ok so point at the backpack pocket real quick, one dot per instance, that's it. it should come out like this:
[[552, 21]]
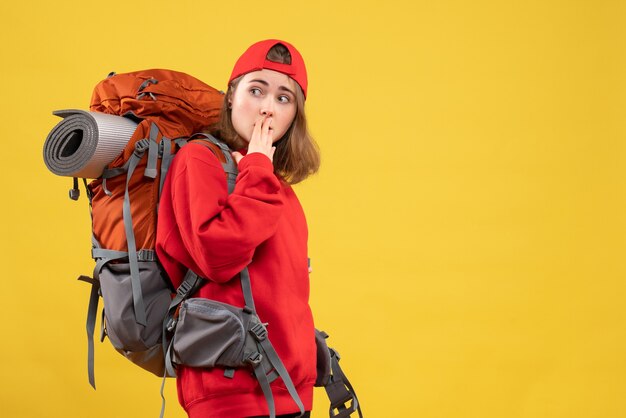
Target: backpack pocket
[[210, 333], [123, 330]]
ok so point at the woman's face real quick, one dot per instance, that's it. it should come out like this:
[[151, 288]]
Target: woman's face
[[261, 94]]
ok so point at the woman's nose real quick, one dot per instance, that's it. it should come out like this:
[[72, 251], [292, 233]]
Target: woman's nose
[[267, 108]]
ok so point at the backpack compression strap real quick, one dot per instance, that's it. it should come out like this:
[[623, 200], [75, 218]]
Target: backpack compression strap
[[142, 146]]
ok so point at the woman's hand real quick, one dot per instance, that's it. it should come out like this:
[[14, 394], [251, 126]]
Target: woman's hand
[[261, 140]]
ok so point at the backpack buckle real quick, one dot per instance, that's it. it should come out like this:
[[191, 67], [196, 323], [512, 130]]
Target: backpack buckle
[[141, 146], [171, 324], [334, 353], [145, 255], [184, 288], [147, 82], [255, 358], [259, 331]]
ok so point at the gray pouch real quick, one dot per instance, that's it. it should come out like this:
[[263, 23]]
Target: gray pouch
[[209, 333], [141, 344]]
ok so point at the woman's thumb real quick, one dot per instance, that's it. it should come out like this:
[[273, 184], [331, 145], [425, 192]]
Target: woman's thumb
[[237, 156]]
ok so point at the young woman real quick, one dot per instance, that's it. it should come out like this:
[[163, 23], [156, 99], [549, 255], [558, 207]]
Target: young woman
[[260, 225]]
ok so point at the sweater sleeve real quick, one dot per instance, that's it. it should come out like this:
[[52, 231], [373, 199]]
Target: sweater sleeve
[[221, 231]]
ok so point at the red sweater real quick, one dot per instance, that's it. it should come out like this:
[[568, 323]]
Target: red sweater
[[262, 225]]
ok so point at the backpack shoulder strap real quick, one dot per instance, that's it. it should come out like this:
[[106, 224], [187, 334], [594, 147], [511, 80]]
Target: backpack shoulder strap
[[222, 152]]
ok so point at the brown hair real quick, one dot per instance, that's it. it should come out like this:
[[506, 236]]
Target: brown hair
[[297, 155]]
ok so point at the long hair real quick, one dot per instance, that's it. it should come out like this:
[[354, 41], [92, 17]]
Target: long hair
[[297, 155]]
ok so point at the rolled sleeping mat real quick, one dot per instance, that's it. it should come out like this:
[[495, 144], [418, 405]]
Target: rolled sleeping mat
[[83, 143]]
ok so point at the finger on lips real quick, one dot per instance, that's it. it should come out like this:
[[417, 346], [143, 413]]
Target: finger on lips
[[269, 128]]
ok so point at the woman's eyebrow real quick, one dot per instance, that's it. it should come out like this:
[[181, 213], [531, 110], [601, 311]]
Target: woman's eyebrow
[[265, 83], [258, 80], [288, 90]]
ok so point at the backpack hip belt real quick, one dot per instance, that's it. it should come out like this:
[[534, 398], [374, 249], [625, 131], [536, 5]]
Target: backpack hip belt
[[200, 332]]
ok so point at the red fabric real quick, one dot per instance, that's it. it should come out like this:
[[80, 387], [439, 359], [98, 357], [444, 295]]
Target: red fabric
[[254, 59], [177, 102], [216, 234]]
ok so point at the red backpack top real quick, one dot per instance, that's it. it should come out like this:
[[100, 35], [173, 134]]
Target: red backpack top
[[179, 105]]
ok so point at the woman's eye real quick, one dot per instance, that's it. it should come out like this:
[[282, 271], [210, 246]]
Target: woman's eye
[[255, 91], [284, 99]]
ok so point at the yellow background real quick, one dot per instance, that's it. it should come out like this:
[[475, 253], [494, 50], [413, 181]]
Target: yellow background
[[467, 226]]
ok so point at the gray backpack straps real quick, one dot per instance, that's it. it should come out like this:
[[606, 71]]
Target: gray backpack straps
[[151, 146], [153, 153], [246, 287], [165, 151], [263, 373], [92, 312], [142, 146], [230, 167], [268, 359], [140, 311]]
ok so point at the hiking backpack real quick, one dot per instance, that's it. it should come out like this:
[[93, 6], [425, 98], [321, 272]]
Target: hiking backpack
[[169, 107], [146, 320]]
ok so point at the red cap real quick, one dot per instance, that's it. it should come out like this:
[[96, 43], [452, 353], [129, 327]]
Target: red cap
[[254, 59]]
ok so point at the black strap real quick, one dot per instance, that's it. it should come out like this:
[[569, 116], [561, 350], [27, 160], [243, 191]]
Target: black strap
[[340, 391]]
